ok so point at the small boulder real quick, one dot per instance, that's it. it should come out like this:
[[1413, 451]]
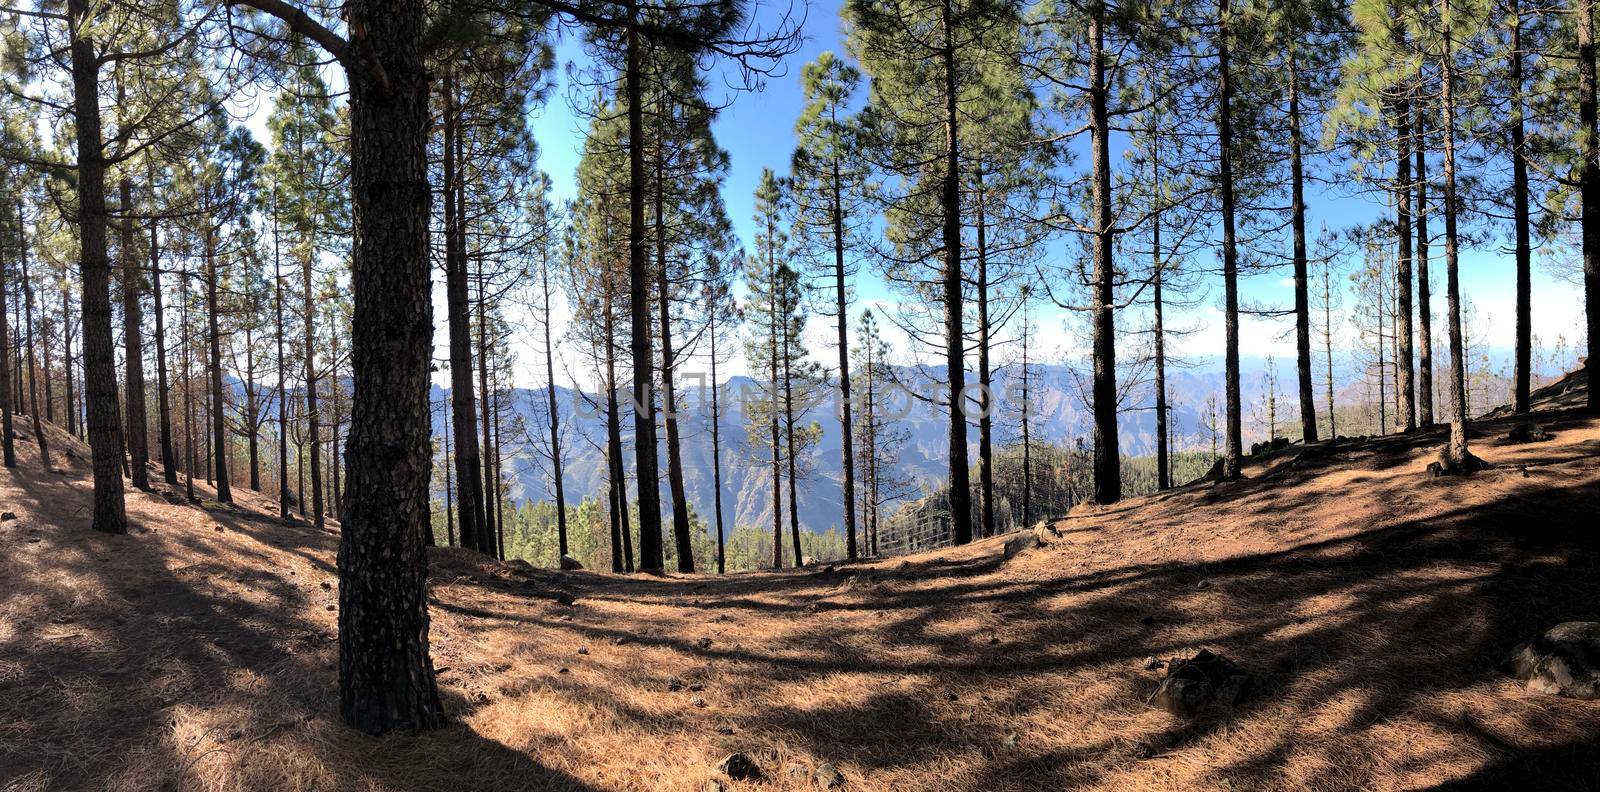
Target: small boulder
[[7, 516], [1528, 433], [570, 564], [1563, 661], [740, 767], [1015, 545], [565, 599], [1203, 682]]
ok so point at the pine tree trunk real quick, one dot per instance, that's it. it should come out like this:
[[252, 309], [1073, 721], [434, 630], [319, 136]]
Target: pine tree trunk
[[1302, 299], [985, 378], [283, 369], [1519, 211], [8, 451], [308, 319], [669, 395], [470, 504], [1424, 285], [789, 420], [652, 556], [1403, 263], [954, 337], [1233, 445], [185, 343], [219, 435], [555, 419], [1589, 190], [133, 344], [99, 364], [1456, 456], [1107, 457], [169, 457], [41, 437], [67, 361], [716, 452], [621, 533], [772, 406], [386, 678], [846, 421]]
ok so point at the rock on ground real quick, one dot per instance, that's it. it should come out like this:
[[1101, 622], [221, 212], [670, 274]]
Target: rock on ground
[[1528, 433], [1563, 661], [1203, 682]]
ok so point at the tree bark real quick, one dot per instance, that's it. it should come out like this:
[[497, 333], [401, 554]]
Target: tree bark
[[8, 451], [99, 365], [555, 419], [169, 456], [846, 420], [1589, 190], [1403, 261], [985, 378], [1456, 454], [1424, 285], [386, 678], [1302, 299], [669, 395], [1107, 457], [470, 504], [955, 352], [1233, 444], [1523, 376], [308, 320], [133, 344], [219, 435], [652, 556]]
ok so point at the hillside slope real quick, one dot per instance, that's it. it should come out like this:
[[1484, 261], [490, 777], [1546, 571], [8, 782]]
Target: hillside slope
[[197, 653]]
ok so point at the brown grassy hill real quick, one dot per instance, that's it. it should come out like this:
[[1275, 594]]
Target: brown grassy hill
[[197, 653]]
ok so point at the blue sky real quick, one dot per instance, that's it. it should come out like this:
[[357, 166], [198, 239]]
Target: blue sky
[[757, 129]]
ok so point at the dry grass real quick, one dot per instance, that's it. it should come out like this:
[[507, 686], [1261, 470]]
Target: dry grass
[[1374, 602]]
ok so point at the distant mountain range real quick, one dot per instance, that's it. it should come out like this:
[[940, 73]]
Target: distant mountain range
[[1060, 417]]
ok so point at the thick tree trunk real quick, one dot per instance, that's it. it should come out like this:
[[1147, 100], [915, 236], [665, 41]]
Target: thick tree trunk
[[386, 678], [99, 364], [954, 337], [1233, 444], [1456, 456], [219, 431], [133, 344], [1589, 190], [1107, 457], [470, 504], [652, 556], [1523, 377]]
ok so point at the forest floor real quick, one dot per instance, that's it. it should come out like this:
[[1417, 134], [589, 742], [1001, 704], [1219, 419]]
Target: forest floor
[[1374, 603]]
